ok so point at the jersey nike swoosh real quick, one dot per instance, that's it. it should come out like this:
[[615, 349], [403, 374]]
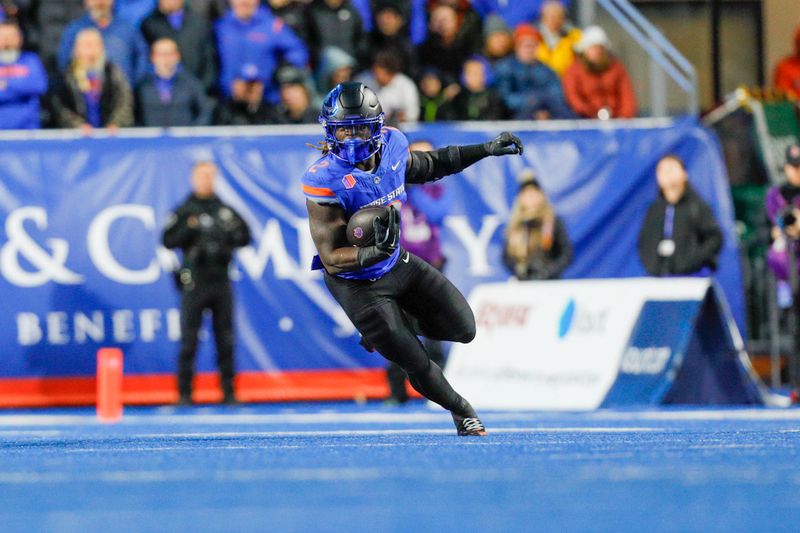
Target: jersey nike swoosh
[[394, 167], [407, 257]]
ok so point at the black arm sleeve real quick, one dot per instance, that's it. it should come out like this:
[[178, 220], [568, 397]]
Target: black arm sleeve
[[431, 166]]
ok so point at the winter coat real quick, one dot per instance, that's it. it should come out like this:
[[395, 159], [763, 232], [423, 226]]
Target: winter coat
[[22, 83], [195, 40], [252, 50], [188, 105], [696, 234], [514, 12], [549, 264], [51, 17], [340, 27], [561, 56], [116, 100], [787, 76], [587, 92], [124, 44], [485, 105], [528, 88]]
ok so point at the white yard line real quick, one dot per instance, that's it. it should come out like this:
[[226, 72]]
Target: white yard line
[[378, 417]]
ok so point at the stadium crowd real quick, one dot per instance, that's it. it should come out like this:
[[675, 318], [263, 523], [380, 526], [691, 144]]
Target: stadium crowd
[[161, 63]]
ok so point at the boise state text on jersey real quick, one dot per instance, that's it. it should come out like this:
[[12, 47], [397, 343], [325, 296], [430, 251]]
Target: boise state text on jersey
[[331, 180]]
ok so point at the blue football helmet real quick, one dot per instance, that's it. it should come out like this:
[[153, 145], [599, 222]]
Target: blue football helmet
[[353, 105]]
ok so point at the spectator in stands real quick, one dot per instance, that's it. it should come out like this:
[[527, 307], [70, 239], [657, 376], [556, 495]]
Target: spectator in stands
[[783, 211], [499, 41], [92, 92], [446, 48], [536, 245], [476, 100], [292, 13], [787, 73], [513, 12], [170, 95], [530, 89], [134, 11], [387, 34], [336, 23], [209, 9], [470, 25], [680, 235], [50, 17], [295, 104], [335, 66], [173, 19], [414, 12], [396, 91], [123, 42], [558, 37], [251, 44], [435, 91], [597, 84], [22, 81]]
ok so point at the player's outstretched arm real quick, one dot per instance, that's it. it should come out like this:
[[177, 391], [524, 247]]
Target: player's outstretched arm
[[329, 231], [423, 167]]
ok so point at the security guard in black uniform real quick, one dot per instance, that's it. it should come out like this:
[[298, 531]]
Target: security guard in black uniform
[[207, 231]]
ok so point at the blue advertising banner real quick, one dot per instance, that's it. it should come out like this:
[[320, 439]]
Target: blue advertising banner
[[80, 221]]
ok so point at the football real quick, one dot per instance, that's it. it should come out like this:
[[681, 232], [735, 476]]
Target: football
[[360, 229]]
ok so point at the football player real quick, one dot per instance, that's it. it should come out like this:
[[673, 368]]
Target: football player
[[390, 295]]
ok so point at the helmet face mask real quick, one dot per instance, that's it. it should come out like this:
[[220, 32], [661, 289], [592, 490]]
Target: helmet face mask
[[352, 118]]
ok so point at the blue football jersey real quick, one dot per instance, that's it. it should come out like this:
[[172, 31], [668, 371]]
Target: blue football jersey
[[333, 181]]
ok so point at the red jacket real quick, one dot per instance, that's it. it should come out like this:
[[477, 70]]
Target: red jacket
[[787, 76], [587, 92]]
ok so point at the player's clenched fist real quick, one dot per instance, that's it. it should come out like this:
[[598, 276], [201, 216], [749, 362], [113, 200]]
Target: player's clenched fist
[[504, 144]]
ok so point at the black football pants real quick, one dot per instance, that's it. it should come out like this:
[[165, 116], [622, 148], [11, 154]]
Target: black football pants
[[412, 299], [218, 298]]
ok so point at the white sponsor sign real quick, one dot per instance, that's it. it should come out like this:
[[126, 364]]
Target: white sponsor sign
[[556, 344]]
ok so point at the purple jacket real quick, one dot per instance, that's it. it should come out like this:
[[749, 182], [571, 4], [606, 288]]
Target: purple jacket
[[421, 221], [776, 202]]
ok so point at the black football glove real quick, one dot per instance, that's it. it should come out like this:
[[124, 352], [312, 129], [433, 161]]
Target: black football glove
[[387, 239], [387, 236], [504, 144]]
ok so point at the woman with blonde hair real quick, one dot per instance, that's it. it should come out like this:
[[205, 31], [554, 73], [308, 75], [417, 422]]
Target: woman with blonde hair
[[92, 91], [536, 245]]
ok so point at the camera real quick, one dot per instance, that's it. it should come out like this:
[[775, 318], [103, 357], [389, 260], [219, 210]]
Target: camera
[[787, 217]]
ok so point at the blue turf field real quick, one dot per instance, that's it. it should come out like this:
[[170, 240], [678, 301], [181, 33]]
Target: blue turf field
[[369, 468]]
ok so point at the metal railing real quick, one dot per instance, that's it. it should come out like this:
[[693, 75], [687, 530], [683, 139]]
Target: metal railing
[[664, 59]]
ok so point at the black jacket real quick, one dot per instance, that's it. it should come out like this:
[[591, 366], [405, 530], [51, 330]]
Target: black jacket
[[485, 105], [549, 265], [195, 41], [697, 237], [280, 115], [116, 100], [293, 14], [50, 18], [340, 27], [208, 231], [189, 105]]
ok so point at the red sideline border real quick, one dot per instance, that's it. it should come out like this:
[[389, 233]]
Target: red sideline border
[[291, 386]]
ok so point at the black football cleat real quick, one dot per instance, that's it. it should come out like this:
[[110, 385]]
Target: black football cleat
[[469, 427]]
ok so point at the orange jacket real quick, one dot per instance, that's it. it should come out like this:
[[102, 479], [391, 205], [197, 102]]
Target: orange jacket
[[588, 92]]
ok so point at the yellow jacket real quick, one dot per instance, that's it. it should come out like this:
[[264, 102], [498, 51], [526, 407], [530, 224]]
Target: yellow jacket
[[562, 55]]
